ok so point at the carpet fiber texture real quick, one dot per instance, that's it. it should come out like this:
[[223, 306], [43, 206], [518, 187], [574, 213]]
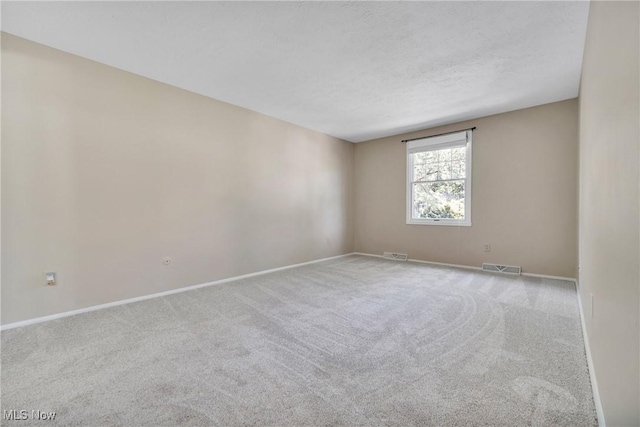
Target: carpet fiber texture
[[350, 341]]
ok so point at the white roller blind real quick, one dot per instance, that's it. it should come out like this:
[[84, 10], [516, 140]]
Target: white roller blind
[[442, 141]]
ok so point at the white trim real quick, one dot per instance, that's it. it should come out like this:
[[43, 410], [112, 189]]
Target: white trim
[[439, 221], [449, 138], [592, 372], [546, 276], [419, 261], [371, 255], [470, 267], [156, 295], [460, 139], [444, 264]]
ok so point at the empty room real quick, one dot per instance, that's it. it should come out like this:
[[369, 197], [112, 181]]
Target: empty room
[[320, 213]]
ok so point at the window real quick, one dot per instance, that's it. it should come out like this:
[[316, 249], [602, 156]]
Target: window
[[439, 180]]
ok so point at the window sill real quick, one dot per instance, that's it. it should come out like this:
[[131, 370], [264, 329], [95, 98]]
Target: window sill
[[441, 222]]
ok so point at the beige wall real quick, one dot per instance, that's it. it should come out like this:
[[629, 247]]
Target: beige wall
[[523, 199], [104, 173], [610, 205]]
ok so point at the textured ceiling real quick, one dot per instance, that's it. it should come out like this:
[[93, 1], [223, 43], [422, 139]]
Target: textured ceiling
[[355, 70]]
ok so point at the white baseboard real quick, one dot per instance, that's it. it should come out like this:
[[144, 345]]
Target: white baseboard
[[546, 276], [365, 254], [423, 262], [470, 267], [592, 372], [444, 264], [156, 295]]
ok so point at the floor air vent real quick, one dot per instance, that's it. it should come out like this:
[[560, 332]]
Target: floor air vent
[[395, 256], [497, 268]]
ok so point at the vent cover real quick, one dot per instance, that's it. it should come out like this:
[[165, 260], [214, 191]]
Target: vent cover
[[497, 268], [395, 256]]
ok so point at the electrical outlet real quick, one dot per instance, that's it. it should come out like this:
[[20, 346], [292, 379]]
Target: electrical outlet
[[487, 247], [51, 278], [166, 260]]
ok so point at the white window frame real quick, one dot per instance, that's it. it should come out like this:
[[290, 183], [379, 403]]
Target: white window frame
[[458, 139]]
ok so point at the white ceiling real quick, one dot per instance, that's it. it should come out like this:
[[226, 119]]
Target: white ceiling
[[355, 70]]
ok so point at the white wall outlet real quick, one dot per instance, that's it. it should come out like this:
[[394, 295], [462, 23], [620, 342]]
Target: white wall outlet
[[51, 278], [487, 247], [166, 260]]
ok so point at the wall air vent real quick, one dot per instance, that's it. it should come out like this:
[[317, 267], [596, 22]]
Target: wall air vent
[[497, 268], [395, 256]]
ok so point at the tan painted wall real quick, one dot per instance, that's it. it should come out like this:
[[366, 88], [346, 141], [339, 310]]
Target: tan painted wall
[[610, 205], [523, 195], [104, 173]]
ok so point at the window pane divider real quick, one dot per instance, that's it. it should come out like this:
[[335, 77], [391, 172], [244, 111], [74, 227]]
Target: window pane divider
[[438, 180]]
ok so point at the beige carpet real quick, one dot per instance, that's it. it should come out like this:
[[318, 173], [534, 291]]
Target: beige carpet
[[351, 341]]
